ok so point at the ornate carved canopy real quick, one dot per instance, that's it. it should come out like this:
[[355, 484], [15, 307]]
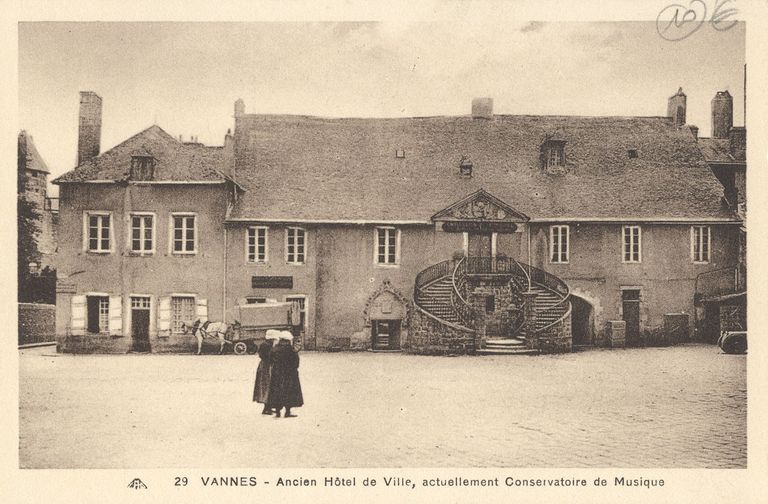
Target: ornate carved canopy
[[480, 211]]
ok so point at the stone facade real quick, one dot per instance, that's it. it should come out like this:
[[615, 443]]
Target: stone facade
[[431, 337]]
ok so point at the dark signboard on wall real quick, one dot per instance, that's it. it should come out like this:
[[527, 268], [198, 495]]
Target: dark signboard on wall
[[479, 227], [272, 282]]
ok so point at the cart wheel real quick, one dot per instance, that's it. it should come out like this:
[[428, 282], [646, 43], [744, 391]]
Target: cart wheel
[[240, 348]]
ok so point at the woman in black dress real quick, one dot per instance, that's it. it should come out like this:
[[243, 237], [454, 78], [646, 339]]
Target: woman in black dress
[[284, 386], [264, 371]]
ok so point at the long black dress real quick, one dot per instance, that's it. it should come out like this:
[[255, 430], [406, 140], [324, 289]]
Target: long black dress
[[284, 386], [261, 387]]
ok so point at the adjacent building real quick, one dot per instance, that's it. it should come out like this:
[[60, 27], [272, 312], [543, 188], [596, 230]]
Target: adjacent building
[[474, 233]]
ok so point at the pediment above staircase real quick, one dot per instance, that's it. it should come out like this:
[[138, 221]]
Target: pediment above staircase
[[479, 209]]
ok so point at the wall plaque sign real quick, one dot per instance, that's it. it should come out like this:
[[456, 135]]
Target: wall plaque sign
[[272, 282]]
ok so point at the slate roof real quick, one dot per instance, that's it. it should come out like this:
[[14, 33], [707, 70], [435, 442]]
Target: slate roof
[[28, 157], [174, 160], [310, 168], [716, 150]]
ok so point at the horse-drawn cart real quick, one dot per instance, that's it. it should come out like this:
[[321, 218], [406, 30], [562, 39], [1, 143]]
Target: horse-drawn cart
[[253, 321]]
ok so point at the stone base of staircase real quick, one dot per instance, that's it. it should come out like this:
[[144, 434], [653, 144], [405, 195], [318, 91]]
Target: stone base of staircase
[[506, 346]]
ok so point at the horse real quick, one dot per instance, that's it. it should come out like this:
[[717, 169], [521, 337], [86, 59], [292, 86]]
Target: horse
[[209, 329]]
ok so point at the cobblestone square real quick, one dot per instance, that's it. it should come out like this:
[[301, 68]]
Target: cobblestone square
[[681, 407]]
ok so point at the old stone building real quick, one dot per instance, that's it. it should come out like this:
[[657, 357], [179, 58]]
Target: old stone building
[[722, 293], [476, 233], [37, 217]]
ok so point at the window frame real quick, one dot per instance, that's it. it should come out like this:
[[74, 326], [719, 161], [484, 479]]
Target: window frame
[[624, 231], [697, 244], [172, 229], [193, 297], [559, 260], [288, 260], [295, 297], [103, 318], [256, 259], [388, 230], [87, 229], [142, 252]]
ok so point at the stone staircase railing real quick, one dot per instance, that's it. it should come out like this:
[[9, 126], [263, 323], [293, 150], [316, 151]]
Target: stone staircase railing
[[523, 278]]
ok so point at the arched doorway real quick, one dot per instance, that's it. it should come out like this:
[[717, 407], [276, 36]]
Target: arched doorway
[[386, 313], [582, 321]]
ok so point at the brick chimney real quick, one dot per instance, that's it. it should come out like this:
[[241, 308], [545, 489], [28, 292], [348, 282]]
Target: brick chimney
[[737, 143], [694, 131], [676, 105], [722, 114], [482, 108], [89, 134]]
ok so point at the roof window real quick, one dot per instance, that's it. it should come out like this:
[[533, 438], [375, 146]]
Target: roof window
[[400, 153], [465, 167], [553, 154], [632, 153], [142, 167]]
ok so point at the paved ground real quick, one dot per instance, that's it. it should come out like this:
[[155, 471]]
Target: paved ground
[[656, 407]]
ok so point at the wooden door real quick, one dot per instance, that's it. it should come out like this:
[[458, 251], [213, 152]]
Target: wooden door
[[385, 334], [631, 315], [479, 245], [140, 330]]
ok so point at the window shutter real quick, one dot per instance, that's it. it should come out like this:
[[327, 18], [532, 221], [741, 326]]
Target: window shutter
[[164, 317], [202, 309], [78, 315], [115, 315]]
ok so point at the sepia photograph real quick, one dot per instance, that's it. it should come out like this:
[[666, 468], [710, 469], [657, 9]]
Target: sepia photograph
[[377, 244]]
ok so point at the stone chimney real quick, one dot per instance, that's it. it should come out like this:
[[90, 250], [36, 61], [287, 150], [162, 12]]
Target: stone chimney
[[737, 143], [676, 107], [694, 131], [482, 108], [89, 133], [239, 107], [722, 114]]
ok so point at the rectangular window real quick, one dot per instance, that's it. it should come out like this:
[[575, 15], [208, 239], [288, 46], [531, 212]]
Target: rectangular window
[[256, 244], [632, 241], [302, 301], [294, 245], [184, 238], [140, 302], [387, 246], [555, 157], [98, 314], [182, 310], [142, 234], [255, 300], [98, 232], [558, 244], [701, 242]]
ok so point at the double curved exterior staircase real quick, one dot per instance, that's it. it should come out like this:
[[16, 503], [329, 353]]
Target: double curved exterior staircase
[[536, 317]]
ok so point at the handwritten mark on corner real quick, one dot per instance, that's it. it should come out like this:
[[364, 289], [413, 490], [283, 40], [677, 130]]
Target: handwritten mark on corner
[[677, 22]]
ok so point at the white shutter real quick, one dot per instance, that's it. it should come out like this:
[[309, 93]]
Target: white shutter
[[202, 309], [164, 317], [77, 324], [115, 315]]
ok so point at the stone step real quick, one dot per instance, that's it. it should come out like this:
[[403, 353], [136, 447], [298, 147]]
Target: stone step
[[506, 351], [505, 342]]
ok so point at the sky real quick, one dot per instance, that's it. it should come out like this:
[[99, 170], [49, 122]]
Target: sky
[[185, 77]]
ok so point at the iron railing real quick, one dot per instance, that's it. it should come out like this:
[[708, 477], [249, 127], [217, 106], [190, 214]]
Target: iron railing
[[464, 310]]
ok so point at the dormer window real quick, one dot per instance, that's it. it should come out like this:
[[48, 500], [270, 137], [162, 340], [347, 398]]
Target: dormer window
[[465, 167], [142, 168], [553, 154]]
